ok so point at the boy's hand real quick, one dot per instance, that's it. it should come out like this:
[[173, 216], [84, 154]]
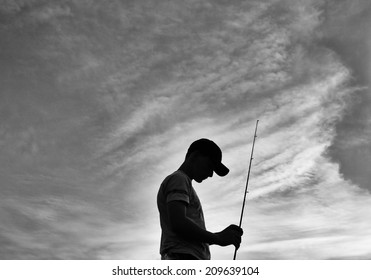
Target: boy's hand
[[231, 235]]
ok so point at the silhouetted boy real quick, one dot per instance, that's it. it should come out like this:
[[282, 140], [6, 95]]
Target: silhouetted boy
[[184, 235]]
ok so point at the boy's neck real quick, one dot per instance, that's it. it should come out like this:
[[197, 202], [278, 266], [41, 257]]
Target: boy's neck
[[186, 168]]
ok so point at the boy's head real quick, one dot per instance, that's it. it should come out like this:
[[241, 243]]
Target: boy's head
[[209, 157]]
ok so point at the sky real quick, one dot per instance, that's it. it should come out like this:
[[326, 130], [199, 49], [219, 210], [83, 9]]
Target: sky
[[99, 101]]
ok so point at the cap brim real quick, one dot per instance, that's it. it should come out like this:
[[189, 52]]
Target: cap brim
[[221, 169]]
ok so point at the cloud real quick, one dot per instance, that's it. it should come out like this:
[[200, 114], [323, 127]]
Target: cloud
[[110, 100], [15, 6], [345, 32], [46, 14]]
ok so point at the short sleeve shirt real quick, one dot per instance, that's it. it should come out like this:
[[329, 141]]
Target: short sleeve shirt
[[178, 187]]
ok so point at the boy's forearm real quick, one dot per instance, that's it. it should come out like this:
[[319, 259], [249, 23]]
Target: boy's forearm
[[190, 230]]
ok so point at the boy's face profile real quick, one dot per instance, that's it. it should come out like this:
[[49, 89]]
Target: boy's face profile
[[202, 168]]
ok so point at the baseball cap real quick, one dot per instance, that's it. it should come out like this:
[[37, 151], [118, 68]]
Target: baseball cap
[[212, 150]]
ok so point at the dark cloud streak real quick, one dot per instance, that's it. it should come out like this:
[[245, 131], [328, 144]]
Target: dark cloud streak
[[347, 33]]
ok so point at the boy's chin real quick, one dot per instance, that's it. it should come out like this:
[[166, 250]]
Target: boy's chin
[[198, 180]]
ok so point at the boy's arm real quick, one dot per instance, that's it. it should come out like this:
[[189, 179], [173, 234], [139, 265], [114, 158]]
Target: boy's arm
[[189, 230]]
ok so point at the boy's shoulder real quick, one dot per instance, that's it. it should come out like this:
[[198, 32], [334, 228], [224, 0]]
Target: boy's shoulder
[[177, 175]]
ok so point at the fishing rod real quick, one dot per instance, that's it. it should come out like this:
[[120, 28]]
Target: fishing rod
[[247, 182]]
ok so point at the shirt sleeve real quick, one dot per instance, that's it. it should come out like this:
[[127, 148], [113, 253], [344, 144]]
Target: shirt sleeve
[[177, 189]]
